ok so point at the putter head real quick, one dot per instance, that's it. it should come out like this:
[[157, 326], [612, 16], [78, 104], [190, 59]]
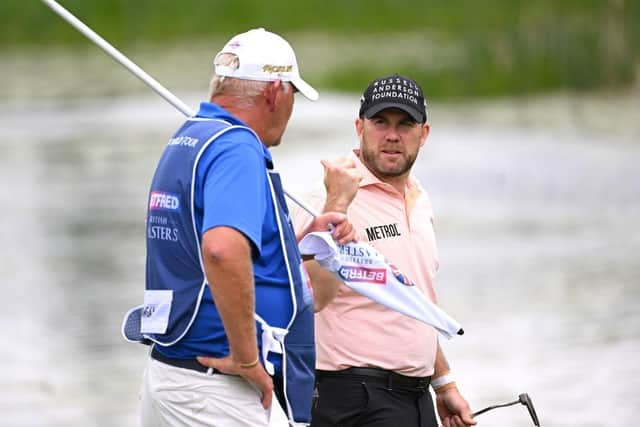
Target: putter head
[[526, 401]]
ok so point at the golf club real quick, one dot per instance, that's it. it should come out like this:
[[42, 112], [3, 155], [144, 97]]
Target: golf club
[[523, 399], [138, 72]]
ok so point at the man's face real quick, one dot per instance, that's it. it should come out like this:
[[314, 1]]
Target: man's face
[[389, 142]]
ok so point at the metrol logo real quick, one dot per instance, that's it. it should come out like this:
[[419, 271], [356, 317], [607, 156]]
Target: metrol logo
[[377, 276], [160, 200]]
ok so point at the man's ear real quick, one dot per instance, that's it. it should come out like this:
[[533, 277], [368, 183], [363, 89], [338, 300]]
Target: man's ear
[[271, 93], [359, 123], [426, 129]]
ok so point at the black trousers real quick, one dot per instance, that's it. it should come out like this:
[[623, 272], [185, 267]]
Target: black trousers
[[355, 401]]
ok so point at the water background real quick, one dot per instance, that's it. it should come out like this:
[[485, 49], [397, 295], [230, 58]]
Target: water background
[[537, 206]]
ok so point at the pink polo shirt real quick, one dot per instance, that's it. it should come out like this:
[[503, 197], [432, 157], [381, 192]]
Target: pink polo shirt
[[353, 330]]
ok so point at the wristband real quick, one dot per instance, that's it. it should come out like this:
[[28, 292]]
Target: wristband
[[442, 381], [250, 365]]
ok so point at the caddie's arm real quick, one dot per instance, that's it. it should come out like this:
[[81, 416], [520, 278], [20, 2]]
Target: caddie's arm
[[226, 254]]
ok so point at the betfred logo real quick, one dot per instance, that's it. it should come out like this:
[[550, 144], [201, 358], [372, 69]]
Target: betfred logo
[[364, 274], [159, 200]]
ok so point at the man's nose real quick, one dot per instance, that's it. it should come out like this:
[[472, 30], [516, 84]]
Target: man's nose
[[392, 134]]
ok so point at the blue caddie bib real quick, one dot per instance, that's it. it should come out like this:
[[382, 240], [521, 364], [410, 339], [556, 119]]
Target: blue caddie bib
[[175, 278]]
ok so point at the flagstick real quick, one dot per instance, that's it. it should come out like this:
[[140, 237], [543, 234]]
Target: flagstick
[[137, 71], [118, 56]]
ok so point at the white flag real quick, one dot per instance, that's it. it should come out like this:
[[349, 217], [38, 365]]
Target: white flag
[[366, 271]]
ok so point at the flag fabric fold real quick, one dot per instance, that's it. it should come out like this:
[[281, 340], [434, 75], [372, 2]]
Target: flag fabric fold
[[365, 270]]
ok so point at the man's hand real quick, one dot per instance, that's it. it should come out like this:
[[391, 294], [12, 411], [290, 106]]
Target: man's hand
[[341, 182], [256, 375], [453, 409], [343, 231]]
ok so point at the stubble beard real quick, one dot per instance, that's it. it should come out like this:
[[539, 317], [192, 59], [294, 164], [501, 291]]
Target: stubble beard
[[370, 159]]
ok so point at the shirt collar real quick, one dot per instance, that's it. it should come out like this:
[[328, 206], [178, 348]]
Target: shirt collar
[[209, 110]]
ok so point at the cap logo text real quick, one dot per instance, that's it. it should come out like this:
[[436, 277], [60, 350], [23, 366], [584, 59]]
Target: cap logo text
[[277, 68]]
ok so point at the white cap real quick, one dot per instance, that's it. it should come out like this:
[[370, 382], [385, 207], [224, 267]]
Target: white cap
[[264, 56]]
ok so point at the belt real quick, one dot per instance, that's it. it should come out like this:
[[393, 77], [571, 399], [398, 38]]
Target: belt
[[390, 378], [192, 364]]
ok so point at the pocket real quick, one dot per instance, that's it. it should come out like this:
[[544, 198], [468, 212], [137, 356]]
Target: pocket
[[155, 311], [340, 397]]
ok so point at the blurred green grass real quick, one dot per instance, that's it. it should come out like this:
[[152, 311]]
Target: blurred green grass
[[459, 48]]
